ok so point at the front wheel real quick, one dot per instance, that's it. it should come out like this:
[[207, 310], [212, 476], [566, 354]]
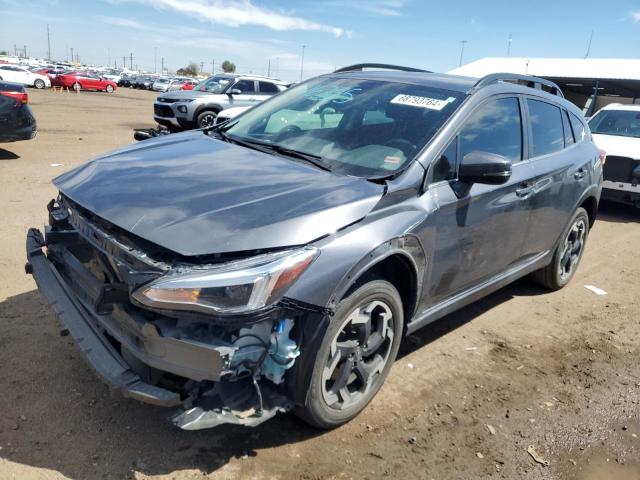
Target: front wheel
[[109, 89], [206, 119], [567, 255], [39, 84], [77, 87], [355, 356]]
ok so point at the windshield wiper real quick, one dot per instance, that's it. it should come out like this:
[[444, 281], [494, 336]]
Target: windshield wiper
[[314, 160]]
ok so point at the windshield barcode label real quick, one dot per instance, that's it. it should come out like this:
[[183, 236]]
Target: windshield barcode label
[[423, 102]]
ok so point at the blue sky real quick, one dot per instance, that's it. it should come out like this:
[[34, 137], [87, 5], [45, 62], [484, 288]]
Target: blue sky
[[421, 33]]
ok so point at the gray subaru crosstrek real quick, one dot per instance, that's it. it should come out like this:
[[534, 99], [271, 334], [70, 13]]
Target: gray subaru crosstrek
[[275, 262]]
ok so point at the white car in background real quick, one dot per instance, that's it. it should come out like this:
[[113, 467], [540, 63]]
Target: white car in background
[[229, 113], [13, 73], [161, 84], [616, 130]]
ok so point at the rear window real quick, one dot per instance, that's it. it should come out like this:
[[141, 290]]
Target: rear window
[[568, 133], [268, 87], [579, 129], [546, 127]]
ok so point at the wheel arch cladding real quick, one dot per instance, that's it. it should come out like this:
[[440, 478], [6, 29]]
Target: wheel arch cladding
[[400, 261], [590, 204], [207, 108]]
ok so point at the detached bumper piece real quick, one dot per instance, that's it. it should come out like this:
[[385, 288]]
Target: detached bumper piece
[[99, 353], [622, 180]]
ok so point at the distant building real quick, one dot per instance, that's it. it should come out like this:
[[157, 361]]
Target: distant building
[[590, 83]]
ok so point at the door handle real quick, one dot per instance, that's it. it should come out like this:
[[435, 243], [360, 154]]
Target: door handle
[[580, 173], [524, 190]]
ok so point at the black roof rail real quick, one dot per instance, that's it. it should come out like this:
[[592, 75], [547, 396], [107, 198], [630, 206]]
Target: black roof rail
[[358, 67], [526, 80]]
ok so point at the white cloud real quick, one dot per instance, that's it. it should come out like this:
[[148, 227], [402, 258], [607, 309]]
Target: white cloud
[[122, 22], [635, 16], [378, 8], [240, 12]]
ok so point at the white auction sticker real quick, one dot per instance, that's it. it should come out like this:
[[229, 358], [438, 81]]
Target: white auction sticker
[[422, 102]]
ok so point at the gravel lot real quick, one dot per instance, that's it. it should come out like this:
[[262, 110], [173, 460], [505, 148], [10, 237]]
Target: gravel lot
[[522, 374]]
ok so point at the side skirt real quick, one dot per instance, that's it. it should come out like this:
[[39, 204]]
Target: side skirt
[[476, 292]]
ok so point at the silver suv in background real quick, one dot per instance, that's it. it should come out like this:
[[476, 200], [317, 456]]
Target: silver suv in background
[[198, 108]]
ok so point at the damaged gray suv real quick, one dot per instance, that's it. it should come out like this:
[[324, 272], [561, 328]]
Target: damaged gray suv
[[275, 262]]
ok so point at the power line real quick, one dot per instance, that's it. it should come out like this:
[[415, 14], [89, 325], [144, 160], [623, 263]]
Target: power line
[[509, 45], [463, 42], [589, 45]]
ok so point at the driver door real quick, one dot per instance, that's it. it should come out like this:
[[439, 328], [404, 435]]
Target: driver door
[[478, 234]]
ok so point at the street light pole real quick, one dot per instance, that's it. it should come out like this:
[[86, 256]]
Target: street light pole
[[302, 62], [463, 42]]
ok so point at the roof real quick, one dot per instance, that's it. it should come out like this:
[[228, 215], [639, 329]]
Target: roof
[[620, 106], [602, 68], [454, 83]]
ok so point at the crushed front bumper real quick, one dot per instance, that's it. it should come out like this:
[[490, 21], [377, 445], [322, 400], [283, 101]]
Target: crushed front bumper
[[227, 402], [98, 351]]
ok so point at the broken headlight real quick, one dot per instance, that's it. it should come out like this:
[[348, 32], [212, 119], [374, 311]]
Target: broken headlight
[[237, 287]]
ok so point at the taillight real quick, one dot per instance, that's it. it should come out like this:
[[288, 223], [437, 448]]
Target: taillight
[[21, 97], [603, 156]]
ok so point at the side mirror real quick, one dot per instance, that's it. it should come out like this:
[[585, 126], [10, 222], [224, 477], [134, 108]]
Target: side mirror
[[235, 91], [484, 167]]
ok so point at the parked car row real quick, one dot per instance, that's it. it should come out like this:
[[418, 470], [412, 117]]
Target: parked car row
[[155, 83], [23, 76]]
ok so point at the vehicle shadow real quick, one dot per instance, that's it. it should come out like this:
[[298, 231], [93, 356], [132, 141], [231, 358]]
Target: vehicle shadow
[[55, 413], [524, 287], [617, 212], [7, 155]]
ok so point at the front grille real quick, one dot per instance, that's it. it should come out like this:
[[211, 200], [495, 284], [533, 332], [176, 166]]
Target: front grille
[[163, 111], [168, 100], [620, 169]]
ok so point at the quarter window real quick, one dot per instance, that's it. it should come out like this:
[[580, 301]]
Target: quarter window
[[546, 127], [579, 130], [568, 134], [445, 166], [495, 127]]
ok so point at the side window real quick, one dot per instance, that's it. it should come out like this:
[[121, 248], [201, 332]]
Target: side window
[[566, 126], [495, 127], [245, 86], [267, 87], [445, 167], [546, 127], [579, 129]]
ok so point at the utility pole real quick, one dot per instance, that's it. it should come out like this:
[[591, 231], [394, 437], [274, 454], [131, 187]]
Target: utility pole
[[48, 44], [155, 59], [269, 68], [71, 54], [589, 45], [201, 67], [124, 61], [131, 61], [302, 62], [25, 51], [213, 67], [108, 56], [509, 45], [463, 42], [162, 66]]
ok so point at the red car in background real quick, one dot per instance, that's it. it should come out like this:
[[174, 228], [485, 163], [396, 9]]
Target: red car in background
[[84, 81], [188, 85]]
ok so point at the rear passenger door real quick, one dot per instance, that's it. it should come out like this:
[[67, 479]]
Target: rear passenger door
[[481, 233], [559, 173]]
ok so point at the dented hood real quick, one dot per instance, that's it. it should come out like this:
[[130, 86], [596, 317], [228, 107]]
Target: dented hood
[[196, 195]]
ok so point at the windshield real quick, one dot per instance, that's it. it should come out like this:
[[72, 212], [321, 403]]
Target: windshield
[[358, 127], [213, 84], [625, 123]]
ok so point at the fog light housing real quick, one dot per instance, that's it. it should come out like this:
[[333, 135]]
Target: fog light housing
[[182, 108]]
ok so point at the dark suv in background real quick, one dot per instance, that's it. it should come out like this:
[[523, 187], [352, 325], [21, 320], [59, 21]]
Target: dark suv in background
[[276, 261], [16, 118]]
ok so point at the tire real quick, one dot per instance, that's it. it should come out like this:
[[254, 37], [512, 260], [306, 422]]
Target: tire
[[566, 258], [206, 119], [77, 87], [39, 84], [109, 89], [323, 406]]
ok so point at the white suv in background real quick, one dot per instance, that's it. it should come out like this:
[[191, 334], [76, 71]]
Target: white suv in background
[[198, 108], [616, 130]]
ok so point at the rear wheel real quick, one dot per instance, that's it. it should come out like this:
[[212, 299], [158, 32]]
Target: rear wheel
[[355, 356], [77, 87], [206, 119], [39, 83], [568, 253], [109, 89]]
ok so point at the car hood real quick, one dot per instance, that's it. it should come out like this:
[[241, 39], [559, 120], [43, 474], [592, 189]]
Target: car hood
[[618, 146], [196, 195], [187, 94]]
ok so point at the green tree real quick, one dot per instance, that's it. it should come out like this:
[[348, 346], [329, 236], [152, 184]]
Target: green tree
[[228, 67], [3, 52], [190, 70]]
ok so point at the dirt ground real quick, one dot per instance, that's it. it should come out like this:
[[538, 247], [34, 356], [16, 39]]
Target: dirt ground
[[523, 373]]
